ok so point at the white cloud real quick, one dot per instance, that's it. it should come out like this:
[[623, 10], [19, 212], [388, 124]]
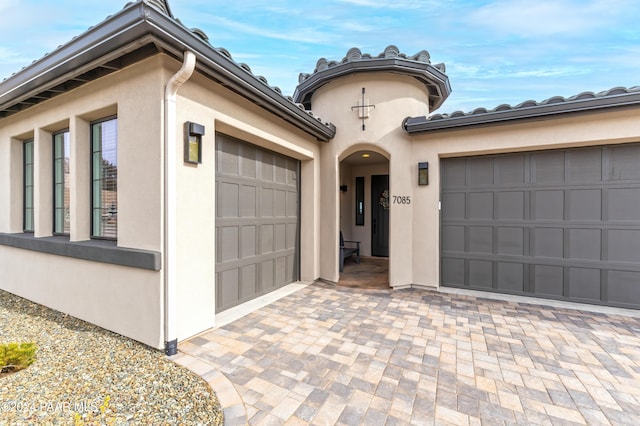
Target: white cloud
[[530, 19]]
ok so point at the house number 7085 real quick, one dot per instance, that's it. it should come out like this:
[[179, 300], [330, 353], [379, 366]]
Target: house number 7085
[[401, 199]]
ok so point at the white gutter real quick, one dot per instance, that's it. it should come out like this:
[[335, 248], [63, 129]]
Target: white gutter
[[170, 174]]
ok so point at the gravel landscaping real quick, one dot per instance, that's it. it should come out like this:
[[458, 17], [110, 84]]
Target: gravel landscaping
[[86, 375]]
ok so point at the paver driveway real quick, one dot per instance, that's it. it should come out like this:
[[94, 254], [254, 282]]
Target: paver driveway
[[332, 355]]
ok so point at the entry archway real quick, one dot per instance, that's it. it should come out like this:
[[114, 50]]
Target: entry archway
[[364, 211]]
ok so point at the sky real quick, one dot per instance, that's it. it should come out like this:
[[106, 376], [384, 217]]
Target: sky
[[495, 51]]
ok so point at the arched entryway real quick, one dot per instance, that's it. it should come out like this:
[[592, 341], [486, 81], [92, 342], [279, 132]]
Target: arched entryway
[[365, 217]]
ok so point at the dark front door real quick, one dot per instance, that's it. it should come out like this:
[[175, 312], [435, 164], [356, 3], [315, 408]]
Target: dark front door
[[380, 215]]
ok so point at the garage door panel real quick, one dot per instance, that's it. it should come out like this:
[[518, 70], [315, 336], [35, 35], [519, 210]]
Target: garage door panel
[[257, 224], [228, 196], [292, 236], [510, 169], [548, 280], [510, 241], [266, 168], [563, 224], [585, 204], [455, 173], [548, 242], [480, 171], [548, 205], [624, 163], [228, 290], [584, 283], [229, 244], [481, 205], [510, 276], [623, 287], [481, 273], [585, 165], [292, 204], [247, 202], [248, 282], [267, 208], [511, 205], [548, 167], [453, 205], [248, 163], [249, 241], [280, 170], [281, 203], [624, 203], [623, 245], [453, 238], [266, 275], [228, 154], [453, 272], [481, 239], [585, 244]]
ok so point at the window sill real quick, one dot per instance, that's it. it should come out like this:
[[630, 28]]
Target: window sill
[[94, 250]]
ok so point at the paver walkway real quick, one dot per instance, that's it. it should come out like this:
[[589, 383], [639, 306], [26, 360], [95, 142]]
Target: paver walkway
[[333, 355]]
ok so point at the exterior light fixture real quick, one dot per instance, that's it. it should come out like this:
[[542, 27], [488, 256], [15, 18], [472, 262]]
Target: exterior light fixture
[[366, 155], [423, 173], [193, 142]]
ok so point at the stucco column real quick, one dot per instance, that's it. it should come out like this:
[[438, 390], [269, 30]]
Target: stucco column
[[80, 178], [43, 184]]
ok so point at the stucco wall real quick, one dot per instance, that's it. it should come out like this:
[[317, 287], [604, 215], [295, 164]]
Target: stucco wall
[[583, 130], [123, 299], [220, 110], [395, 97], [414, 237]]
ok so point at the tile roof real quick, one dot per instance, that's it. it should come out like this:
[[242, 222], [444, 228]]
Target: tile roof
[[82, 42], [390, 60], [585, 101]]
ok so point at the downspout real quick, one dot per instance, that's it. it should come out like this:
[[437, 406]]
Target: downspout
[[170, 207]]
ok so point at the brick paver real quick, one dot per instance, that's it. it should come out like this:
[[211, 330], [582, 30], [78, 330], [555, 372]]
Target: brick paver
[[332, 355]]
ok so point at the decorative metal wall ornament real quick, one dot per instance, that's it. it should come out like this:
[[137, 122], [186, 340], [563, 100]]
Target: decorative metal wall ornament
[[363, 108]]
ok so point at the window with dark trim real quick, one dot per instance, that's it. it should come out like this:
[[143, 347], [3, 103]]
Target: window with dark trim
[[61, 184], [104, 178], [27, 175], [360, 201]]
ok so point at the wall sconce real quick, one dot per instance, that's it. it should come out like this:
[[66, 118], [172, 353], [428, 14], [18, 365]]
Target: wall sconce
[[343, 188], [193, 133], [423, 173]]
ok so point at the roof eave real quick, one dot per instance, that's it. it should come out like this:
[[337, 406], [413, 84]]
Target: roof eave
[[139, 24], [422, 124], [426, 73]]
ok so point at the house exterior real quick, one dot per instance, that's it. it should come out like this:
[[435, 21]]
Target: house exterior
[[150, 182]]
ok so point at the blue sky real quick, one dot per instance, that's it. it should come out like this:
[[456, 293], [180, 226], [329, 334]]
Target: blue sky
[[496, 51]]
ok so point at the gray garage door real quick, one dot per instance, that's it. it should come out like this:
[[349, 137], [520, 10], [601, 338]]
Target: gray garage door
[[256, 221], [562, 224]]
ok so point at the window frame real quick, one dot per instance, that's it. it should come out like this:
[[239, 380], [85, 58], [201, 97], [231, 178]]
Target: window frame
[[55, 206], [25, 164], [92, 206]]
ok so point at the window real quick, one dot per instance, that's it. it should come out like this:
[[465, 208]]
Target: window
[[104, 179], [360, 201], [61, 183], [27, 174]]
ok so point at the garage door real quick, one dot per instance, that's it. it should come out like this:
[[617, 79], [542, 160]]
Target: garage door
[[256, 221], [562, 224]]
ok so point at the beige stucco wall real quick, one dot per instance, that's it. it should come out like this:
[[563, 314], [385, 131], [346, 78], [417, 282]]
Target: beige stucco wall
[[583, 130], [395, 97], [415, 228], [220, 110], [123, 299]]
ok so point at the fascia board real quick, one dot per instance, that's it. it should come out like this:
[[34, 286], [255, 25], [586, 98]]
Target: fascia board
[[423, 124], [136, 25]]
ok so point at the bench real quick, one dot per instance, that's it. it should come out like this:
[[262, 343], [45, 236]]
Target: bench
[[346, 252]]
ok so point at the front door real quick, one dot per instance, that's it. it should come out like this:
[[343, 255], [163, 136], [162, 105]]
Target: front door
[[380, 215]]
